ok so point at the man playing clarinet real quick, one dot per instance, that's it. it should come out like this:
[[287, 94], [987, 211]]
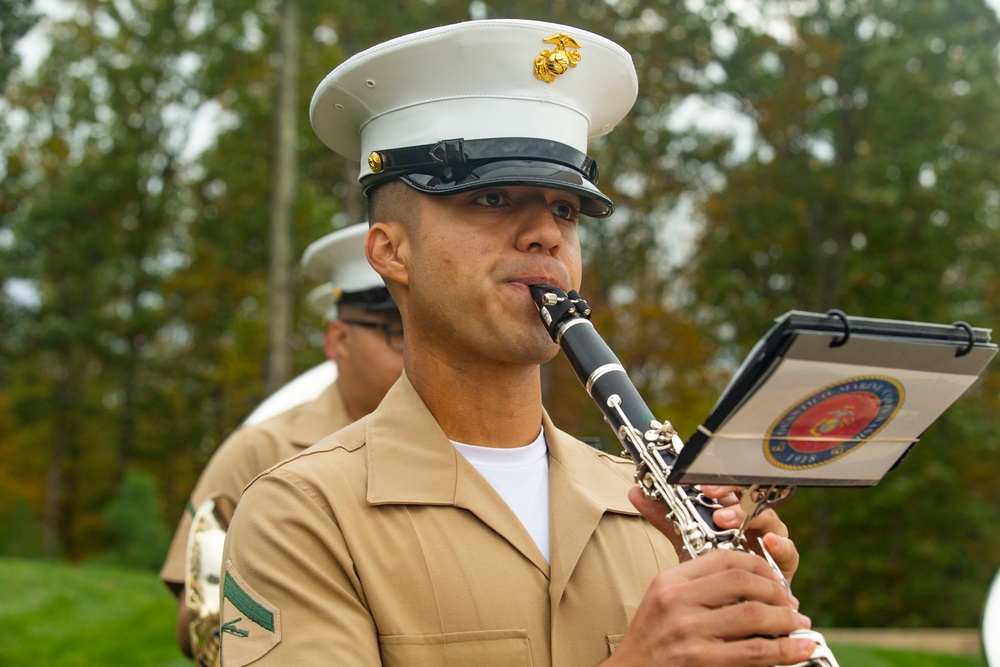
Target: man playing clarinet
[[456, 525]]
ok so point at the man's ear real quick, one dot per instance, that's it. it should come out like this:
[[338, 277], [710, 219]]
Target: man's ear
[[387, 249], [335, 341]]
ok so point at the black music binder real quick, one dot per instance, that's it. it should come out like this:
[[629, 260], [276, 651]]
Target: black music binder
[[832, 400]]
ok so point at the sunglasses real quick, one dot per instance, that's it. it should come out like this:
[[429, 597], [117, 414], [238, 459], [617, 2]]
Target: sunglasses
[[393, 331]]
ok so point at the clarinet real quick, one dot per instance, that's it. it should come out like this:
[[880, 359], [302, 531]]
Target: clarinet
[[653, 446]]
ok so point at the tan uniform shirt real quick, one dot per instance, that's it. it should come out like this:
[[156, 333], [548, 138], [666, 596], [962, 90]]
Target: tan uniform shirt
[[249, 451], [381, 545]]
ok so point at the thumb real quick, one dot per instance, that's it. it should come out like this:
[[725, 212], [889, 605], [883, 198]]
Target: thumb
[[656, 513]]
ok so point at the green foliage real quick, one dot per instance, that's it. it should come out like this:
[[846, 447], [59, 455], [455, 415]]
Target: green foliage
[[18, 19], [20, 530], [139, 536], [869, 184], [870, 187], [852, 199]]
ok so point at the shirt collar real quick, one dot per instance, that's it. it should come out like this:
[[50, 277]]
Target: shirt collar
[[319, 418], [424, 467]]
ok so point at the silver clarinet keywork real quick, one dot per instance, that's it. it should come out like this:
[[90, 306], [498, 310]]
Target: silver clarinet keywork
[[652, 445]]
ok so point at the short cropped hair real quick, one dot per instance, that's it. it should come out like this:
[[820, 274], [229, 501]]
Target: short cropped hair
[[393, 200]]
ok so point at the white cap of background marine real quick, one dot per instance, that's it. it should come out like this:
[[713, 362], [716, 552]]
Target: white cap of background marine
[[339, 260], [480, 103]]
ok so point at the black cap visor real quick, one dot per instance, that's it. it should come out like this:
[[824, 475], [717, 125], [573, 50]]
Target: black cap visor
[[376, 299], [456, 165], [593, 202]]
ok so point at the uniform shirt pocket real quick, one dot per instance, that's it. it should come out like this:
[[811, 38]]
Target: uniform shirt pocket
[[489, 648]]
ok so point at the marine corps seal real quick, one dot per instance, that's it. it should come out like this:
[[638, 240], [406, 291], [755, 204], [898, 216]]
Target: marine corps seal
[[832, 422]]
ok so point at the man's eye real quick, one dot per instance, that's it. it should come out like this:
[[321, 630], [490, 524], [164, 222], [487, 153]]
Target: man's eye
[[491, 199], [566, 211]]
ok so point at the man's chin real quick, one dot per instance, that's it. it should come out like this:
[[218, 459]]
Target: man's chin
[[540, 349]]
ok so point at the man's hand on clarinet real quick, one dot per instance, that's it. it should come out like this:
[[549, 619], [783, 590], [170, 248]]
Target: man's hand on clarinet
[[766, 526], [727, 608]]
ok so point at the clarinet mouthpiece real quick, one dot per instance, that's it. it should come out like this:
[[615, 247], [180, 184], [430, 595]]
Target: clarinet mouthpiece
[[545, 295], [553, 307]]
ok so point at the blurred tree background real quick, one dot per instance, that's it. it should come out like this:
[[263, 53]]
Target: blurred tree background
[[782, 154]]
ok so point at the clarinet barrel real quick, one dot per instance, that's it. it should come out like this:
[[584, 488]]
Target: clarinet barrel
[[653, 446]]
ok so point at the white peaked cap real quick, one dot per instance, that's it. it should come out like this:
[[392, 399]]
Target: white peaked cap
[[323, 300], [495, 80], [339, 260]]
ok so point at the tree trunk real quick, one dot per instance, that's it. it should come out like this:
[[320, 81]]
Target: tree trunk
[[282, 201], [61, 476], [354, 202], [53, 497]]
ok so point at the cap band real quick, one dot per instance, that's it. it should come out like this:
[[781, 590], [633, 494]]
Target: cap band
[[377, 298], [457, 165], [452, 159]]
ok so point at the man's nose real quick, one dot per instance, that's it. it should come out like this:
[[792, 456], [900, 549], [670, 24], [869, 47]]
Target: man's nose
[[540, 230]]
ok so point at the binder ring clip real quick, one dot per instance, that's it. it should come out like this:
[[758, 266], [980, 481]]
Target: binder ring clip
[[972, 339], [839, 314]]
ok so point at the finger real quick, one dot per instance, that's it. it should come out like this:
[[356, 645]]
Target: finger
[[761, 651], [768, 521], [795, 650], [654, 510], [728, 587], [729, 517], [719, 490], [724, 495], [753, 652], [656, 513], [725, 577], [784, 553], [755, 619]]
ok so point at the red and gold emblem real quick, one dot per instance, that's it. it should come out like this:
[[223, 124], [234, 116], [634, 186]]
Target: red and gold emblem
[[833, 422]]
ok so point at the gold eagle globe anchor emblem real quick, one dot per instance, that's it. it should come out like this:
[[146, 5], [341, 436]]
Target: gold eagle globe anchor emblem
[[835, 419], [550, 64]]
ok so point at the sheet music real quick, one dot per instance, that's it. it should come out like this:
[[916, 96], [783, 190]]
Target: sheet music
[[802, 412]]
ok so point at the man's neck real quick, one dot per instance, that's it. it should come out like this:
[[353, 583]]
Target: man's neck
[[498, 406], [353, 403]]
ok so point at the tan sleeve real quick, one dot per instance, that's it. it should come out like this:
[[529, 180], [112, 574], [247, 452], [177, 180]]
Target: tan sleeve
[[287, 563], [240, 458]]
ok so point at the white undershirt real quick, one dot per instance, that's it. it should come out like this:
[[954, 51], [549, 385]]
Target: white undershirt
[[521, 477]]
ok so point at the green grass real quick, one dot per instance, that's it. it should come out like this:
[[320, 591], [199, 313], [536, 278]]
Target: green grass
[[858, 656], [79, 616]]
